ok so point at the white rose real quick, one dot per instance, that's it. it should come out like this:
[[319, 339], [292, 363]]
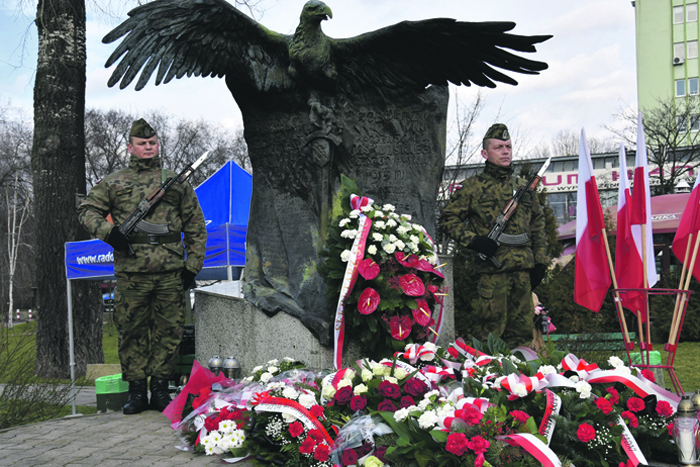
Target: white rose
[[349, 233], [372, 249], [400, 245], [624, 369], [360, 389], [400, 373], [378, 214], [401, 230], [389, 248], [344, 382], [615, 361], [391, 379], [367, 375], [392, 238], [345, 256], [328, 392], [265, 377], [272, 369], [414, 239], [377, 237], [257, 368], [391, 223], [379, 225]]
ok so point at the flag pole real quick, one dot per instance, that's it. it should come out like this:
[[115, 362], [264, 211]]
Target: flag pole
[[686, 287], [618, 303], [672, 333]]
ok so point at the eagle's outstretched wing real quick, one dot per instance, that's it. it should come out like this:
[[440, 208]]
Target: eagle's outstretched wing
[[435, 51], [197, 38]]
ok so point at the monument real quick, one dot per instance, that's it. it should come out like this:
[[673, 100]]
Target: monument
[[371, 107]]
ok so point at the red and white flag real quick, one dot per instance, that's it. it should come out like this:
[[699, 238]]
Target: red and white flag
[[641, 206], [592, 275], [628, 262], [690, 224]]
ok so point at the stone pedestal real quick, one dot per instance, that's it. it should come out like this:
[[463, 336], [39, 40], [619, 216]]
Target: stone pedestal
[[227, 325]]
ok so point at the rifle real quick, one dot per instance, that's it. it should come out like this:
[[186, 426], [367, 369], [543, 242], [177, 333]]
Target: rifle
[[135, 219], [501, 221]]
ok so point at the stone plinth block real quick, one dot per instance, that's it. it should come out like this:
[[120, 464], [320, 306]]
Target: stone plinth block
[[95, 371]]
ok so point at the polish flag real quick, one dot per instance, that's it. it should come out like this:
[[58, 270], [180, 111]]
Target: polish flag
[[628, 262], [592, 275], [690, 223], [640, 214]]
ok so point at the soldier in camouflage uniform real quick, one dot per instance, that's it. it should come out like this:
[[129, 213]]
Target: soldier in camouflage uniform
[[152, 284], [505, 299]]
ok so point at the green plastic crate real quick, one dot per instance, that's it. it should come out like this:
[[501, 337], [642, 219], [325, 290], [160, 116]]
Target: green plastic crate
[[654, 358], [111, 392]]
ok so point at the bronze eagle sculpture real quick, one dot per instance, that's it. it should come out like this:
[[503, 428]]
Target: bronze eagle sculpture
[[372, 107]]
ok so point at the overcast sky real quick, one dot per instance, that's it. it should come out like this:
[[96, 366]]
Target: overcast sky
[[591, 58]]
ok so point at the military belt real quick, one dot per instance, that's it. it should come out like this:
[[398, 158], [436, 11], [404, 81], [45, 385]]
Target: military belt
[[155, 239]]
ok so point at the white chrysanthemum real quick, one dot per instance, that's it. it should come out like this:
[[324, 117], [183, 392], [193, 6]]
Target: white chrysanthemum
[[391, 223], [349, 233], [272, 369], [345, 256], [615, 361], [257, 368], [209, 449], [400, 245], [275, 385], [360, 389], [307, 400], [288, 418], [414, 239], [349, 373], [372, 249], [422, 405], [328, 392], [400, 373], [237, 438], [546, 370], [344, 222], [520, 390], [354, 214], [378, 214], [389, 207], [428, 420], [226, 426], [401, 415], [389, 248], [392, 379], [392, 238], [367, 208], [379, 225], [367, 374], [344, 382], [288, 359], [584, 389], [406, 216], [377, 237], [265, 377], [273, 362], [290, 393]]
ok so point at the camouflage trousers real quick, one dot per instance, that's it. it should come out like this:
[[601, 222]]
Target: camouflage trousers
[[505, 307], [149, 310]]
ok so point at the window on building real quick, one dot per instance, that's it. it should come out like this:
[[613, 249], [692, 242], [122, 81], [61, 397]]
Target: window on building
[[682, 124], [598, 163], [680, 87], [677, 14], [695, 122], [694, 86], [679, 50], [570, 166], [691, 11], [692, 49]]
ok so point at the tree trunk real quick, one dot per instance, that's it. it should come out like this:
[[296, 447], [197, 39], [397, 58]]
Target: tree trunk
[[58, 166]]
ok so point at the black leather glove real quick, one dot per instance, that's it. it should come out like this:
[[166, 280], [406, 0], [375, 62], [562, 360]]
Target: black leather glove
[[485, 245], [117, 240], [187, 278], [537, 274]]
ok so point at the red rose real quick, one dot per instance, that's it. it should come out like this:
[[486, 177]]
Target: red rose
[[321, 452], [307, 447], [634, 423], [456, 443], [585, 432], [316, 410], [295, 429], [358, 403], [604, 405], [648, 374], [614, 395], [520, 416], [415, 387], [389, 389], [664, 409], [478, 444], [407, 401], [381, 454], [635, 404], [387, 406], [343, 395], [349, 457]]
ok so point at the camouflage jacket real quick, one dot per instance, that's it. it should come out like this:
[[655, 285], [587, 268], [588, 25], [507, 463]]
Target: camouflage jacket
[[473, 209], [119, 193]]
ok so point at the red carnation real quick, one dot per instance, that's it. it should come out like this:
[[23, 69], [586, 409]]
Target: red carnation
[[635, 404], [478, 444], [585, 432], [634, 423], [456, 443], [670, 428], [307, 447], [389, 389], [369, 301], [520, 416], [316, 410], [400, 327], [321, 452], [470, 413], [368, 269], [349, 457], [201, 397], [422, 313], [316, 435], [664, 409], [358, 403], [648, 374], [295, 429], [604, 405], [614, 395], [411, 285]]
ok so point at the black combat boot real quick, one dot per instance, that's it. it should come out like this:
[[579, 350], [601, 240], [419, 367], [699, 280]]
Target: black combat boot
[[160, 397], [138, 397]]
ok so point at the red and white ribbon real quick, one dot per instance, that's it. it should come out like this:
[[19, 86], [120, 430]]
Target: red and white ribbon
[[527, 352], [531, 383], [548, 422], [534, 446], [295, 409], [629, 444], [357, 253], [415, 351]]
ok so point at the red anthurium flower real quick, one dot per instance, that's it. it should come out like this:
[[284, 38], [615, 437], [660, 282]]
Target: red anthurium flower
[[400, 327], [422, 313], [369, 301], [368, 269], [411, 285], [402, 259]]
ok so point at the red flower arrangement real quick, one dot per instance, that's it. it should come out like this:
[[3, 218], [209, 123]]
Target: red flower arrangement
[[634, 423], [664, 409], [520, 416], [457, 443], [604, 405], [585, 433], [635, 404]]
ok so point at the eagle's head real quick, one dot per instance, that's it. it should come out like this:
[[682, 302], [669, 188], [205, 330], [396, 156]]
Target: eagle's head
[[315, 11]]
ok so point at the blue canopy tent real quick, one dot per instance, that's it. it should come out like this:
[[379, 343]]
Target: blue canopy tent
[[225, 201]]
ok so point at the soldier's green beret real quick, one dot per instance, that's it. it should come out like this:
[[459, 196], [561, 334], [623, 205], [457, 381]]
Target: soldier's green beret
[[141, 129], [498, 131]]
